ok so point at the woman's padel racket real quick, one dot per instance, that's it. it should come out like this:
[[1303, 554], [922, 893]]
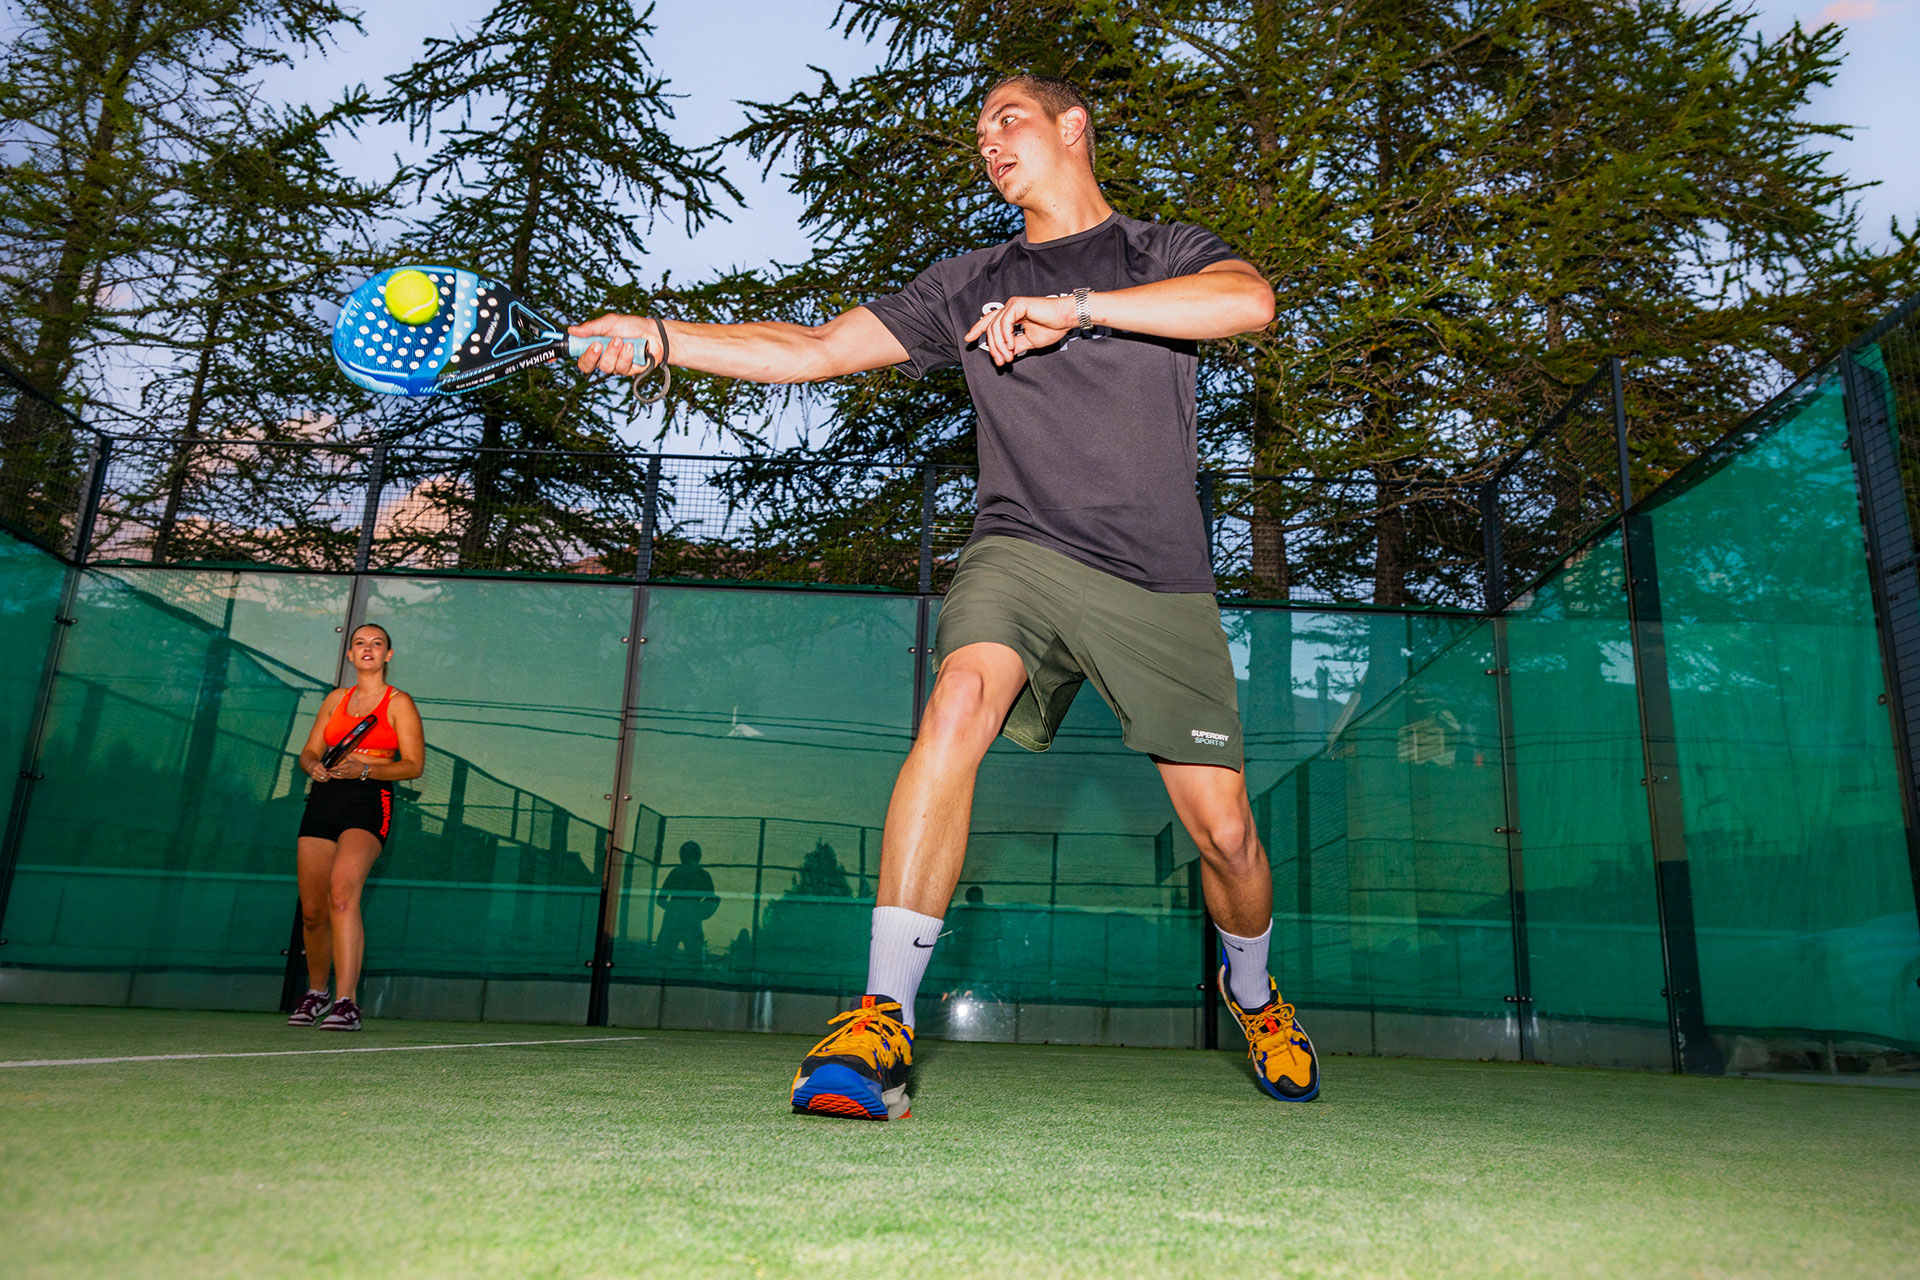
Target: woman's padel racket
[[481, 333], [342, 749]]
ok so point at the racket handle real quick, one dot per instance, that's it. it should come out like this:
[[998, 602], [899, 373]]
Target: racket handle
[[577, 347]]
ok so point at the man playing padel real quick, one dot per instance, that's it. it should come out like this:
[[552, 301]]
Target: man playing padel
[[1088, 559]]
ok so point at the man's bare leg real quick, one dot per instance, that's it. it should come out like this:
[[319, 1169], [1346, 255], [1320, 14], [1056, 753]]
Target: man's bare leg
[[1212, 804], [860, 1069], [925, 841]]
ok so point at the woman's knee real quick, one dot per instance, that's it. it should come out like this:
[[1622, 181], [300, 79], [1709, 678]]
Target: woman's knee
[[313, 910], [344, 897]]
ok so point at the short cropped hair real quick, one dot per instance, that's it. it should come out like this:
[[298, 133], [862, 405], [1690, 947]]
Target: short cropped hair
[[1055, 96]]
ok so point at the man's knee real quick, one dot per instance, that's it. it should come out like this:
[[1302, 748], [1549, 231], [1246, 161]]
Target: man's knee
[[1230, 844], [961, 709]]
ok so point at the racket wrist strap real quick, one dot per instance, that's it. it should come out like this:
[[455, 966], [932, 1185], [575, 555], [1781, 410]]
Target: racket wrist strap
[[660, 326], [653, 362]]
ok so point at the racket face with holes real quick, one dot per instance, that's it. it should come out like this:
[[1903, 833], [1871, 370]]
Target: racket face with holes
[[482, 334]]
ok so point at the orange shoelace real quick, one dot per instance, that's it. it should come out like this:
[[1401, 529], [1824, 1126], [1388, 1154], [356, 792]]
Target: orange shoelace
[[1267, 1025], [868, 1033]]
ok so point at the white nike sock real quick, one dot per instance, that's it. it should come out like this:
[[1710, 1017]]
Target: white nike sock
[[897, 957], [1247, 967]]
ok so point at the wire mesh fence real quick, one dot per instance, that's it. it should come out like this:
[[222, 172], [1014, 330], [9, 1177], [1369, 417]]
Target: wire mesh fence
[[47, 457], [895, 525], [1554, 493], [1344, 539], [1366, 537], [250, 502], [1899, 349]]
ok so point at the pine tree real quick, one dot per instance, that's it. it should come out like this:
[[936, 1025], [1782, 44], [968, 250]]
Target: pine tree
[[265, 230], [552, 162], [102, 106], [1462, 207]]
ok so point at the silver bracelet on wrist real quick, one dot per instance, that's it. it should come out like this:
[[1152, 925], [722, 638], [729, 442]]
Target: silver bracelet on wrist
[[1081, 311], [365, 769]]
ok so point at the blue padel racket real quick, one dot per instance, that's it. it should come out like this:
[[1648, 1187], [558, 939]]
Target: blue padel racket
[[481, 334]]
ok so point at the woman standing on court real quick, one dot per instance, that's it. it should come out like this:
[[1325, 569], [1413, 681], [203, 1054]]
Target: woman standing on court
[[349, 812]]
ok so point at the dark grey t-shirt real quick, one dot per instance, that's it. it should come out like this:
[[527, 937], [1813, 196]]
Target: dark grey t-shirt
[[1087, 447]]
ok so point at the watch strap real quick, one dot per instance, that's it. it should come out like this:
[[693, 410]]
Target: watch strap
[[1081, 310]]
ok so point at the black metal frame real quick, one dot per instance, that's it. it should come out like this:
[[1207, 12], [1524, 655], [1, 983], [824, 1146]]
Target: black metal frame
[[1521, 998], [1892, 569], [613, 868], [63, 621], [1694, 1050]]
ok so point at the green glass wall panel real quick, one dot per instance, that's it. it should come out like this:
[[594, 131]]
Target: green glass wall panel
[[1795, 837], [1593, 921], [1390, 879], [768, 728], [494, 865], [162, 835], [30, 583]]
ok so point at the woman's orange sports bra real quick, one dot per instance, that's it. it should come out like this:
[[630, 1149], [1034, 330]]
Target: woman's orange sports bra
[[379, 738]]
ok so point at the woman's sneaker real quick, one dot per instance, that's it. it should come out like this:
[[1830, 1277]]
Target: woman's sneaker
[[345, 1017], [313, 1006]]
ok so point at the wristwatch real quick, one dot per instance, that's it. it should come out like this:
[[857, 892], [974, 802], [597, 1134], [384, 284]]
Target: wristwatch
[[365, 769], [1080, 309]]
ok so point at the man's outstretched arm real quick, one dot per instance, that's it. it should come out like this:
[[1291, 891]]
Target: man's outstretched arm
[[1217, 301], [764, 351]]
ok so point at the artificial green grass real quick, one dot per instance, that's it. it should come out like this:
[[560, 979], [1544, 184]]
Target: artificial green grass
[[674, 1155]]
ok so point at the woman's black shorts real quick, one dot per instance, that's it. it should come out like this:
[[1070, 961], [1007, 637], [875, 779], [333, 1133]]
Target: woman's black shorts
[[345, 803]]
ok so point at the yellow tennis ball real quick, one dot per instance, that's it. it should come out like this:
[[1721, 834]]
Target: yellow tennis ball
[[412, 297]]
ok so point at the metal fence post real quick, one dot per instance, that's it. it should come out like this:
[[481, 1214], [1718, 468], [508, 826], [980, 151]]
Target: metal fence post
[[649, 521], [1694, 1050], [1522, 996], [614, 873], [1891, 571], [90, 505], [929, 488], [64, 619], [1495, 586], [370, 512], [1209, 961]]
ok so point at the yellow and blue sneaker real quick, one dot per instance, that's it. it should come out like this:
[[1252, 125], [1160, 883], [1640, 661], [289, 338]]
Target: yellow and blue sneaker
[[860, 1070], [1283, 1058]]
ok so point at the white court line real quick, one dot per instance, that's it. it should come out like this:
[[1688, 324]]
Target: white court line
[[289, 1053]]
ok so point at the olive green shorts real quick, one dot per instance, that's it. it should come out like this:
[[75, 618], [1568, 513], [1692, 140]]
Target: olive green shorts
[[1159, 658]]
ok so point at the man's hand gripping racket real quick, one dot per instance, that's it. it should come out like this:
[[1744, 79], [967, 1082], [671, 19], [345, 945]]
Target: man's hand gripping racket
[[438, 331]]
